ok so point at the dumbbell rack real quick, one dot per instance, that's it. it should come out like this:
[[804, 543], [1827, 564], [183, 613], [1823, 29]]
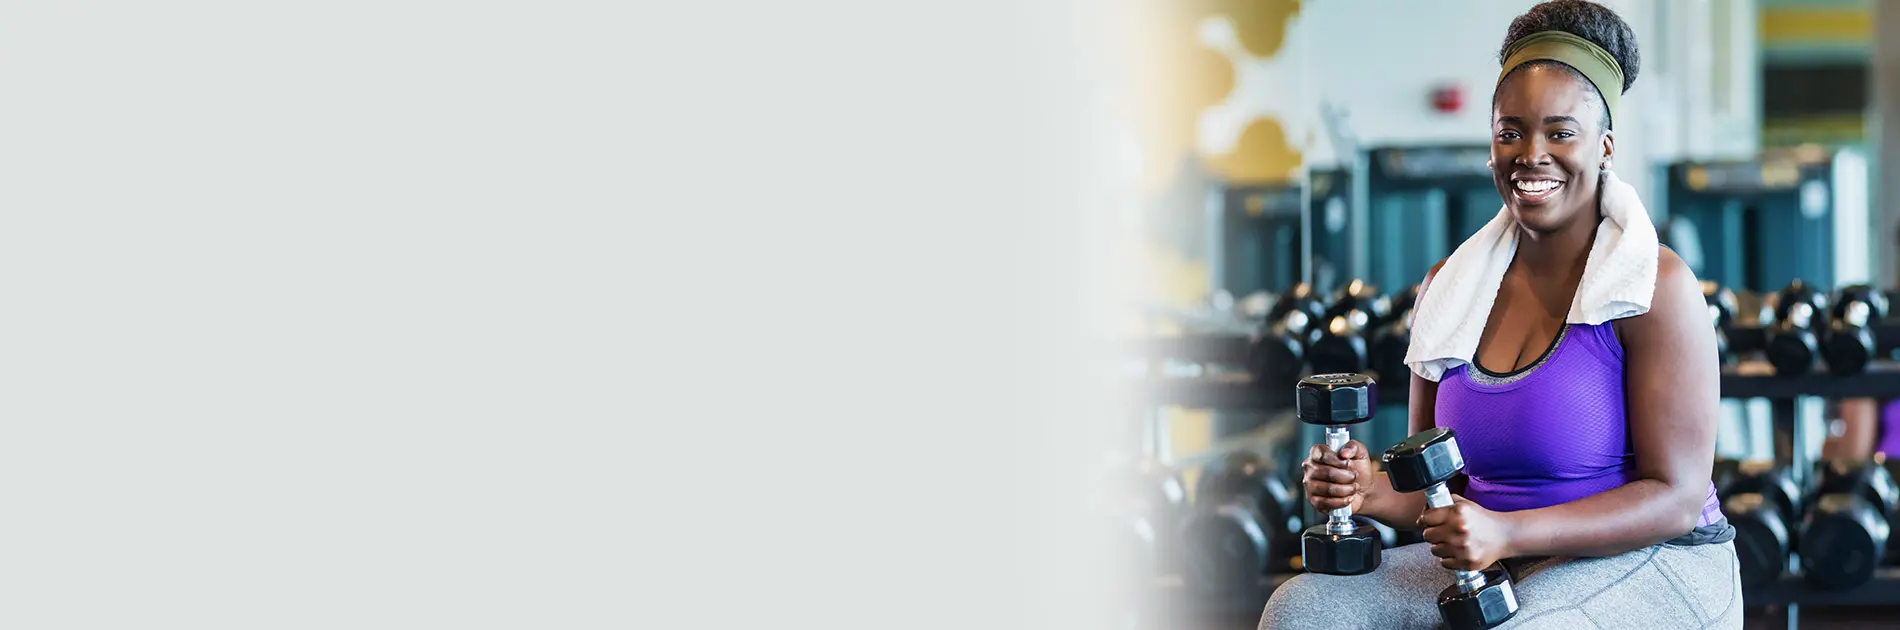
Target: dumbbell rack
[[1789, 396], [1793, 590], [1235, 390]]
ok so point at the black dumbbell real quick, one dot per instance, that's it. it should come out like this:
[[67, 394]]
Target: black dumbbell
[[1851, 340], [1157, 500], [1763, 503], [1844, 538], [1240, 513], [1892, 464], [1745, 335], [1278, 352], [1401, 303], [1424, 462], [1341, 346], [1723, 308], [1723, 472], [1793, 345], [1388, 537], [1394, 337], [1341, 545]]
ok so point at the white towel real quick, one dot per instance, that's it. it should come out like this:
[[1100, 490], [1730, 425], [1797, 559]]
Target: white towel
[[1619, 278]]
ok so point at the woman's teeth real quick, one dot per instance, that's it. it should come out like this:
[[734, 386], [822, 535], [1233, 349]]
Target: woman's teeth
[[1536, 186]]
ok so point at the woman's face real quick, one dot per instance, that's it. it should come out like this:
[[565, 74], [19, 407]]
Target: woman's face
[[1548, 146]]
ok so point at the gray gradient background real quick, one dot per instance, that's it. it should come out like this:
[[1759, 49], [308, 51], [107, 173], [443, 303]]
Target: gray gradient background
[[407, 314]]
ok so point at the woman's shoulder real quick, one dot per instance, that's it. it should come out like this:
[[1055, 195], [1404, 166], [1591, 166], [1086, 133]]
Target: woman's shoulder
[[1675, 281], [1676, 288], [1670, 268]]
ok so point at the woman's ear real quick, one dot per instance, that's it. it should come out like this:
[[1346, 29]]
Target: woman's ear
[[1609, 148]]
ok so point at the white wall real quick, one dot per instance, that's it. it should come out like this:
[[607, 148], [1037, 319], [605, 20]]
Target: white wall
[[1380, 64], [1380, 61]]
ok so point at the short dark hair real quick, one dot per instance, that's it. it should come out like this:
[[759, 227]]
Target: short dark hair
[[1585, 19]]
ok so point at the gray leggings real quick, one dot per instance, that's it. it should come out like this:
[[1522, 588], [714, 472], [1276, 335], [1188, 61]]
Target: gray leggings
[[1662, 586]]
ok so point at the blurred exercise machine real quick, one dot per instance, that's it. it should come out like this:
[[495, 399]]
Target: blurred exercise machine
[[1414, 206], [1760, 224], [1259, 240]]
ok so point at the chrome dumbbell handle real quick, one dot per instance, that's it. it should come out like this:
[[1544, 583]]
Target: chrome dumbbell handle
[[1338, 521], [1439, 496]]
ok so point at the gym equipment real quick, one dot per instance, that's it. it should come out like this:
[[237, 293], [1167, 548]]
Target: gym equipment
[[1851, 340], [1724, 472], [1388, 537], [1723, 308], [1400, 304], [1158, 498], [1278, 352], [1420, 203], [1341, 346], [1424, 462], [1258, 242], [1229, 540], [1292, 541], [1745, 332], [1799, 311], [1845, 535], [1757, 224], [1763, 503], [1892, 464], [1364, 298], [1341, 545], [1393, 337]]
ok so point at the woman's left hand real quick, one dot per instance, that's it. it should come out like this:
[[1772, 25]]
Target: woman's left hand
[[1466, 536]]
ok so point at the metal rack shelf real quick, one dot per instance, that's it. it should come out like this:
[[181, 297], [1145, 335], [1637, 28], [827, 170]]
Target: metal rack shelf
[[1223, 348], [1883, 590], [1747, 380], [1755, 379]]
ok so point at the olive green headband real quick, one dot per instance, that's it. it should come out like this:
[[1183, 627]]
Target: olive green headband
[[1592, 60]]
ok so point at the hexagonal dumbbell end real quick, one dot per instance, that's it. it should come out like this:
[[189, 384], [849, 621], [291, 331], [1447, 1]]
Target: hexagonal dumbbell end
[[1425, 459], [1842, 542], [1792, 345], [1487, 607], [1762, 538], [1336, 399], [1322, 551]]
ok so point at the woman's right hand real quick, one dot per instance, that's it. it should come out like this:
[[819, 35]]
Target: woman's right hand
[[1337, 480]]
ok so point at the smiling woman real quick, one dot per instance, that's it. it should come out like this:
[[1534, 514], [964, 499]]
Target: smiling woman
[[1572, 357], [1563, 69]]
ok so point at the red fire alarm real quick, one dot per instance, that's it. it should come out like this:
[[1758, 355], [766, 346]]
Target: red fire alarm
[[1448, 99]]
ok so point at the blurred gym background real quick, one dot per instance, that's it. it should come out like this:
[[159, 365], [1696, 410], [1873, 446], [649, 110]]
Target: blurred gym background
[[1301, 164]]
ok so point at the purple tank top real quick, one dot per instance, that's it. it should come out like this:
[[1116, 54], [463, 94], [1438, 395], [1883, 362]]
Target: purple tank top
[[1889, 429], [1551, 433]]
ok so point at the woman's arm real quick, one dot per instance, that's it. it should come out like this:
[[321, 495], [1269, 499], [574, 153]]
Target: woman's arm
[[1395, 509], [1858, 430], [1672, 386]]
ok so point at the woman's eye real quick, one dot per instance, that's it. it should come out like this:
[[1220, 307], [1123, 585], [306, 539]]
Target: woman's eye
[[1507, 135], [1562, 134]]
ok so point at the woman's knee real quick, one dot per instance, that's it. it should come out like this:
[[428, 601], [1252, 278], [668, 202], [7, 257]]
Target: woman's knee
[[1401, 593], [1297, 603], [1300, 592]]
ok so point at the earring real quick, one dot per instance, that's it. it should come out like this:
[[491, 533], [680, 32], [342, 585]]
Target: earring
[[1606, 165], [1491, 163]]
